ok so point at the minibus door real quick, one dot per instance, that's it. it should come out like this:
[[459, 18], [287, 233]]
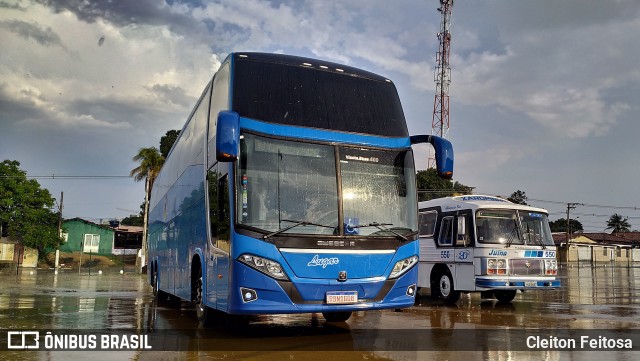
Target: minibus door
[[464, 247]]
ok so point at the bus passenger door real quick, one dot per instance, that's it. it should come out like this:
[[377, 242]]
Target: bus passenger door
[[223, 244], [211, 261], [464, 277]]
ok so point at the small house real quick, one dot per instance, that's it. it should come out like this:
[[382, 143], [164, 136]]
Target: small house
[[89, 237], [599, 247]]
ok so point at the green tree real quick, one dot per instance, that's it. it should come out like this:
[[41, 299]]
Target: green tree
[[431, 186], [166, 142], [560, 225], [137, 220], [618, 224], [25, 209], [518, 197]]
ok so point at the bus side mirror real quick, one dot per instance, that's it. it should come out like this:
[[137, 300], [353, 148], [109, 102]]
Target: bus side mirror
[[444, 153], [227, 136]]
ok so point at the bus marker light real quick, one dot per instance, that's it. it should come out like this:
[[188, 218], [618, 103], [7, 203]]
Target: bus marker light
[[248, 295], [411, 290]]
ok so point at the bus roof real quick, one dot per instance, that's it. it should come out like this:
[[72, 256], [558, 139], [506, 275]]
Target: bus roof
[[309, 63], [475, 202]]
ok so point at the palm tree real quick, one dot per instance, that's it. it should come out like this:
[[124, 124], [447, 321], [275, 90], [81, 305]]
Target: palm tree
[[151, 162], [618, 224]]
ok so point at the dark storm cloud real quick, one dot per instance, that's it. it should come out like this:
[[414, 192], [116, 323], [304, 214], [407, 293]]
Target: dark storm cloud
[[125, 12], [118, 111], [5, 5], [43, 36], [15, 110], [172, 94]]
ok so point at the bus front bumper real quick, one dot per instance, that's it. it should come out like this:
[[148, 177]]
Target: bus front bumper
[[516, 283], [309, 295]]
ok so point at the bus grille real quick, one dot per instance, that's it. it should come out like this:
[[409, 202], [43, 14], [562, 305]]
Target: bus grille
[[526, 267]]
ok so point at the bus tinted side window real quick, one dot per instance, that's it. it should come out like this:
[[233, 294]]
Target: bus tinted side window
[[427, 222], [446, 232]]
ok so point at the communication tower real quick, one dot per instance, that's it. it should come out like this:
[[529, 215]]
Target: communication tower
[[442, 76]]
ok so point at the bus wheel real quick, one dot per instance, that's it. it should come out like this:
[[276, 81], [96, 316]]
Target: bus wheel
[[443, 288], [154, 282], [203, 313], [336, 316], [159, 295], [505, 296]]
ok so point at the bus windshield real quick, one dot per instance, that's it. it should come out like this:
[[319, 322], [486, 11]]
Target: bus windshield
[[510, 226], [295, 185]]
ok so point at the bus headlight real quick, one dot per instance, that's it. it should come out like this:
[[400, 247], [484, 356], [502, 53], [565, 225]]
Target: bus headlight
[[264, 265], [551, 267], [402, 266], [496, 266]]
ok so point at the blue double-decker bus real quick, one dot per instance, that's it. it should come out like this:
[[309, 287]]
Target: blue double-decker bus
[[290, 189]]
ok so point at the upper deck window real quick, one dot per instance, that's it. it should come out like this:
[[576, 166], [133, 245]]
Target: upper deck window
[[313, 96]]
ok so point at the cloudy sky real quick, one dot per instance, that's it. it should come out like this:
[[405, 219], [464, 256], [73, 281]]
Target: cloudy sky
[[544, 94]]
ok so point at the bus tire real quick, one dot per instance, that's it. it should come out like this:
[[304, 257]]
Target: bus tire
[[504, 296], [154, 281], [160, 295], [442, 287], [204, 314], [336, 316]]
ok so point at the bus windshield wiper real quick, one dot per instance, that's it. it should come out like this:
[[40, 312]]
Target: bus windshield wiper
[[382, 227], [512, 234], [295, 224], [531, 234]]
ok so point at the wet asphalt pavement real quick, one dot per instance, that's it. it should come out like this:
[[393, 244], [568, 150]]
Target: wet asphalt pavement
[[595, 303]]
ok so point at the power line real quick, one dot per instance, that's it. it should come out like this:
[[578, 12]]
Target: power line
[[634, 208]]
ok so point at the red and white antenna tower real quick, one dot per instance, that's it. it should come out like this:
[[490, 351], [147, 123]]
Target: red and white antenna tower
[[442, 77]]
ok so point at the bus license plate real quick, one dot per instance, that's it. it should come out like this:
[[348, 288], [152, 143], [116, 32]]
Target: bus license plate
[[342, 297], [531, 284]]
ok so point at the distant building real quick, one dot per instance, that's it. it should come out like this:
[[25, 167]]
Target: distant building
[[88, 237], [599, 247], [12, 252]]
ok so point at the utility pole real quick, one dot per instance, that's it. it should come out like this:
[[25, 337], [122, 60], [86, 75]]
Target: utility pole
[[570, 206], [59, 228]]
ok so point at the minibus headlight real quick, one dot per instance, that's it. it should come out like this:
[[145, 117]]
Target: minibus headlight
[[264, 265], [496, 266], [551, 266], [403, 266]]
